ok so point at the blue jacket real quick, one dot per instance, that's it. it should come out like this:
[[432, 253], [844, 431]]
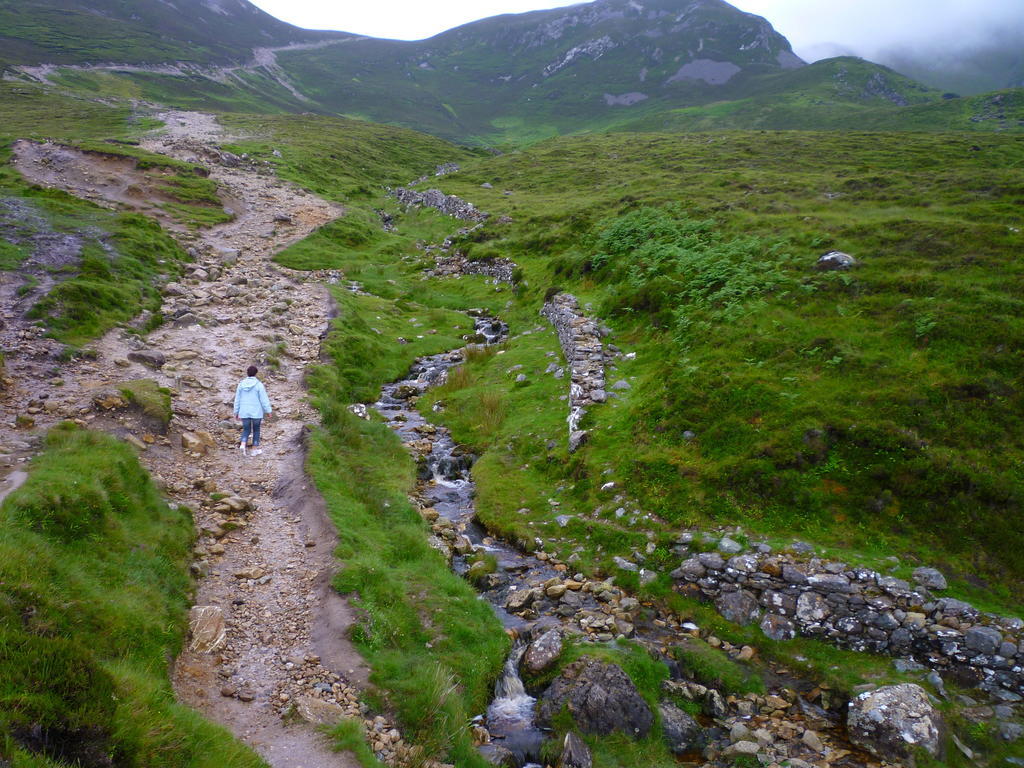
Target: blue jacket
[[251, 401]]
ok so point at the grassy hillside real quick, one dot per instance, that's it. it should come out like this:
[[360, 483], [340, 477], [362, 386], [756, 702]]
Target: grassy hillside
[[874, 412], [146, 32], [840, 95], [94, 592], [877, 408]]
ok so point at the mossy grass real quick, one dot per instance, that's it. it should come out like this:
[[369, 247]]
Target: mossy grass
[[152, 400], [350, 736], [94, 591], [713, 668]]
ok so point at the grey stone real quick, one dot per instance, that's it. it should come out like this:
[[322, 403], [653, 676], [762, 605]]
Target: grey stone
[[682, 733], [151, 358], [496, 754], [890, 722], [1011, 731], [835, 260], [937, 683], [778, 627], [625, 565], [740, 606], [811, 608], [712, 561], [689, 570], [778, 602], [521, 599], [793, 575], [600, 697], [621, 385], [714, 704], [543, 652], [743, 563], [575, 753], [958, 608], [729, 547], [750, 748], [929, 578], [983, 640], [829, 582]]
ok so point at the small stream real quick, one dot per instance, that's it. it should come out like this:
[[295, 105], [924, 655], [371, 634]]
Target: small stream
[[446, 485]]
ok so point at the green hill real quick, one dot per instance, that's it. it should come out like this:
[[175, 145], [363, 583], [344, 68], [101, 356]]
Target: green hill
[[147, 32]]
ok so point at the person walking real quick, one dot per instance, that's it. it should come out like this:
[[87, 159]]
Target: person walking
[[251, 405]]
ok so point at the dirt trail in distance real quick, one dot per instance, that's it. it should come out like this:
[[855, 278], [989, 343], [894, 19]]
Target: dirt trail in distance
[[264, 552]]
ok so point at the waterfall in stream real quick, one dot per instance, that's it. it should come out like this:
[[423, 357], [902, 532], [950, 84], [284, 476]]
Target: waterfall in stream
[[510, 717]]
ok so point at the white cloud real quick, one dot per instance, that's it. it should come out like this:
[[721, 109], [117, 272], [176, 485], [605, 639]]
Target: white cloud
[[396, 19], [875, 28]]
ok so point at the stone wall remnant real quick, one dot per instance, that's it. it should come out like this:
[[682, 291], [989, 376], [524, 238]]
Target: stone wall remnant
[[860, 609], [580, 338]]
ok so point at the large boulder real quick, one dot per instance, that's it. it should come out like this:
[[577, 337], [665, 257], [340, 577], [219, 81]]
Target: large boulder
[[600, 697], [683, 734], [892, 721]]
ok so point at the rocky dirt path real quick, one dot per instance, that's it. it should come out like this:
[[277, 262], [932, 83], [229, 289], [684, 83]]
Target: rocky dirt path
[[268, 634]]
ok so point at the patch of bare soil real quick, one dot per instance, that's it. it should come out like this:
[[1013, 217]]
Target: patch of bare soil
[[107, 180], [269, 634]]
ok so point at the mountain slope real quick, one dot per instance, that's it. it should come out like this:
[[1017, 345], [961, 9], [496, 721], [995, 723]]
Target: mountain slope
[[514, 79], [546, 71], [147, 32]]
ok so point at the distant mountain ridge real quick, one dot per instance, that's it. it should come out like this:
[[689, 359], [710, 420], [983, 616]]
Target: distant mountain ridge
[[517, 78]]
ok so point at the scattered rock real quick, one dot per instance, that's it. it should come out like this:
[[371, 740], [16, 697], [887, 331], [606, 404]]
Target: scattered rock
[[319, 711]]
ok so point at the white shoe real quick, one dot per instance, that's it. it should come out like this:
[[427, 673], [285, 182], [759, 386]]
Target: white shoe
[[241, 447], [257, 452]]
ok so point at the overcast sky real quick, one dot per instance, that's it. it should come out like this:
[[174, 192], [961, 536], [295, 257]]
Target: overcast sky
[[817, 28]]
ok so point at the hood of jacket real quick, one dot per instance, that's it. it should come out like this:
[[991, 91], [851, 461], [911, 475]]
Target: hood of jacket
[[249, 382]]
